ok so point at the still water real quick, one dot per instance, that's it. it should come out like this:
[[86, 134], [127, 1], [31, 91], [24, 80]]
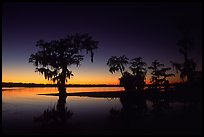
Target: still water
[[21, 105], [26, 112]]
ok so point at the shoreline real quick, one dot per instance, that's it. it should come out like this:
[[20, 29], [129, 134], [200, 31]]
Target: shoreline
[[102, 94]]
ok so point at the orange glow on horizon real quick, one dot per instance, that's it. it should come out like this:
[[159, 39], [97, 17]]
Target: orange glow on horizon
[[39, 79], [82, 76], [110, 81]]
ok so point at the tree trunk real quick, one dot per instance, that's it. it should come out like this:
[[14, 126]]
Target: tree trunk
[[62, 86]]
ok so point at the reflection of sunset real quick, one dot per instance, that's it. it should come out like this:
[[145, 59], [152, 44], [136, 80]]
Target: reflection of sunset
[[29, 94], [100, 68]]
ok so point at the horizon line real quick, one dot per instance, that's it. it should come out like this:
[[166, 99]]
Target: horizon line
[[74, 84], [55, 83]]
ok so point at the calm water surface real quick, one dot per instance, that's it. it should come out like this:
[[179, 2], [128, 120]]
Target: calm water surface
[[21, 107]]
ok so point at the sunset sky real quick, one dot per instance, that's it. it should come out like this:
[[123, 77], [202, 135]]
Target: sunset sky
[[146, 30]]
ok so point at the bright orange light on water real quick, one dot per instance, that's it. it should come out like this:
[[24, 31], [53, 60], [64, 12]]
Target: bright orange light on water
[[25, 94]]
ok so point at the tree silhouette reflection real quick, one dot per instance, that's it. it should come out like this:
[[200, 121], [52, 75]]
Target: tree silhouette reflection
[[57, 114], [133, 107]]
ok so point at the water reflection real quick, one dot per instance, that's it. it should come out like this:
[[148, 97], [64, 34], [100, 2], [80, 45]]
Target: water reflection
[[57, 114], [132, 102], [126, 114], [142, 115], [159, 106], [134, 106]]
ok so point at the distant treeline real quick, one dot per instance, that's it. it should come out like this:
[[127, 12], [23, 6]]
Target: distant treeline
[[10, 84]]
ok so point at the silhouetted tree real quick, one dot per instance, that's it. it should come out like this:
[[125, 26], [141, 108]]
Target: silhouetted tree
[[55, 57], [185, 44], [138, 68], [159, 74], [155, 79], [192, 88], [164, 74], [186, 69], [128, 81], [131, 82], [117, 64]]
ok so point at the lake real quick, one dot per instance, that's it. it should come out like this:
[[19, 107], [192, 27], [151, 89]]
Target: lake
[[26, 112]]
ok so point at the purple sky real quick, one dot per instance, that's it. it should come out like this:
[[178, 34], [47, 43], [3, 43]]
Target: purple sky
[[145, 30]]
